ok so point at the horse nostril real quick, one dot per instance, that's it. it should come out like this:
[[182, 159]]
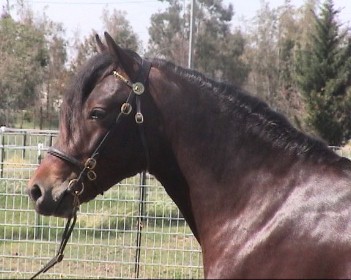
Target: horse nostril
[[35, 192]]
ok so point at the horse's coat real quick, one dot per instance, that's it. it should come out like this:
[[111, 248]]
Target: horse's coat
[[263, 199]]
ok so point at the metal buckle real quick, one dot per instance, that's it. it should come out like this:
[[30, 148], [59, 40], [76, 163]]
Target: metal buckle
[[90, 163], [138, 88], [91, 175], [72, 184], [139, 118], [126, 108]]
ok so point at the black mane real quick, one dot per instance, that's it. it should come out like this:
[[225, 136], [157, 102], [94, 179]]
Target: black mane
[[258, 119]]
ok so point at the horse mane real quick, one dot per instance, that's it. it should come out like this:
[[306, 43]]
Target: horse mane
[[259, 121]]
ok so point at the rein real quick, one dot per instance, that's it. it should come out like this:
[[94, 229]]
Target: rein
[[76, 186], [65, 237]]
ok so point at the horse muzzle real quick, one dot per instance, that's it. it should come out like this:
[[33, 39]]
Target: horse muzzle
[[51, 201]]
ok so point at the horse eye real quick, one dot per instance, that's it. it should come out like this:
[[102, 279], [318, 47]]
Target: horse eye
[[97, 114]]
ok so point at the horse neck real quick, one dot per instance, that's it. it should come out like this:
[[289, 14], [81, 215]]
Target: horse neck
[[181, 167], [193, 124], [218, 165]]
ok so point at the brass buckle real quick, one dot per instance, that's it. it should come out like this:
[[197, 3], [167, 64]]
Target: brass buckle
[[90, 163], [139, 118], [138, 88], [126, 108], [91, 175], [72, 184]]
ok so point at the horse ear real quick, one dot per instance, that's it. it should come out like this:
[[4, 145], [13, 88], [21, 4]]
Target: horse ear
[[100, 45], [128, 63]]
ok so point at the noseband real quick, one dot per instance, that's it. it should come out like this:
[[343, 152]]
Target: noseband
[[76, 186]]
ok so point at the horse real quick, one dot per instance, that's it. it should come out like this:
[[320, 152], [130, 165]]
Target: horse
[[262, 198]]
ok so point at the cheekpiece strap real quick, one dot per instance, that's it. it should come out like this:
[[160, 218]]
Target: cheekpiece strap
[[138, 88]]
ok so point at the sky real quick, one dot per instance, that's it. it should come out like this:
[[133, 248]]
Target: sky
[[80, 17]]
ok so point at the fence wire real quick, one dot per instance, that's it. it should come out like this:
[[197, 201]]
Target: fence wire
[[133, 231]]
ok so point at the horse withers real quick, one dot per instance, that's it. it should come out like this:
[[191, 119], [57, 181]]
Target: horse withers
[[263, 199]]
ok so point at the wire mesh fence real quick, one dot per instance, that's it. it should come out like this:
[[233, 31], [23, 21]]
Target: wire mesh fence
[[133, 231]]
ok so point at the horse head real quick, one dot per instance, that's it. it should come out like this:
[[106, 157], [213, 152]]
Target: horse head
[[101, 134]]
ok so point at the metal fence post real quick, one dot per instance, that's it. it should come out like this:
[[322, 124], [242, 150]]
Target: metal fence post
[[2, 158], [40, 148], [141, 214], [50, 140], [24, 144]]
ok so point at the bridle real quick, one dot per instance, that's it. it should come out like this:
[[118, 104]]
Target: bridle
[[76, 186], [87, 169]]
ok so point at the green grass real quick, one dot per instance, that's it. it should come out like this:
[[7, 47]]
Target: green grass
[[162, 256]]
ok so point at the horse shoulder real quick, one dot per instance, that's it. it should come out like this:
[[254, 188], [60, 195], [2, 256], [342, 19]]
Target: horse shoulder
[[308, 234]]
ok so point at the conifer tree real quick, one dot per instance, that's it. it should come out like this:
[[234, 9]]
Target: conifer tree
[[324, 76]]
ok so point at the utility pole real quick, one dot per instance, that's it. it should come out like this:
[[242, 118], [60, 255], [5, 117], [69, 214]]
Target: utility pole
[[6, 9], [191, 35]]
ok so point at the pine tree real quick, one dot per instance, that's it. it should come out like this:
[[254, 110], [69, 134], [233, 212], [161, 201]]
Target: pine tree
[[324, 76]]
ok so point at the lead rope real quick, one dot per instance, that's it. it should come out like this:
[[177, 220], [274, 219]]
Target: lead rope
[[65, 237], [88, 169]]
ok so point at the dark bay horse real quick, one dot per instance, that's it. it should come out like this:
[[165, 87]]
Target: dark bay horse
[[263, 199]]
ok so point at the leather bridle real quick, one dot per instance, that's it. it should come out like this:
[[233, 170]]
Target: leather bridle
[[87, 169], [76, 186]]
